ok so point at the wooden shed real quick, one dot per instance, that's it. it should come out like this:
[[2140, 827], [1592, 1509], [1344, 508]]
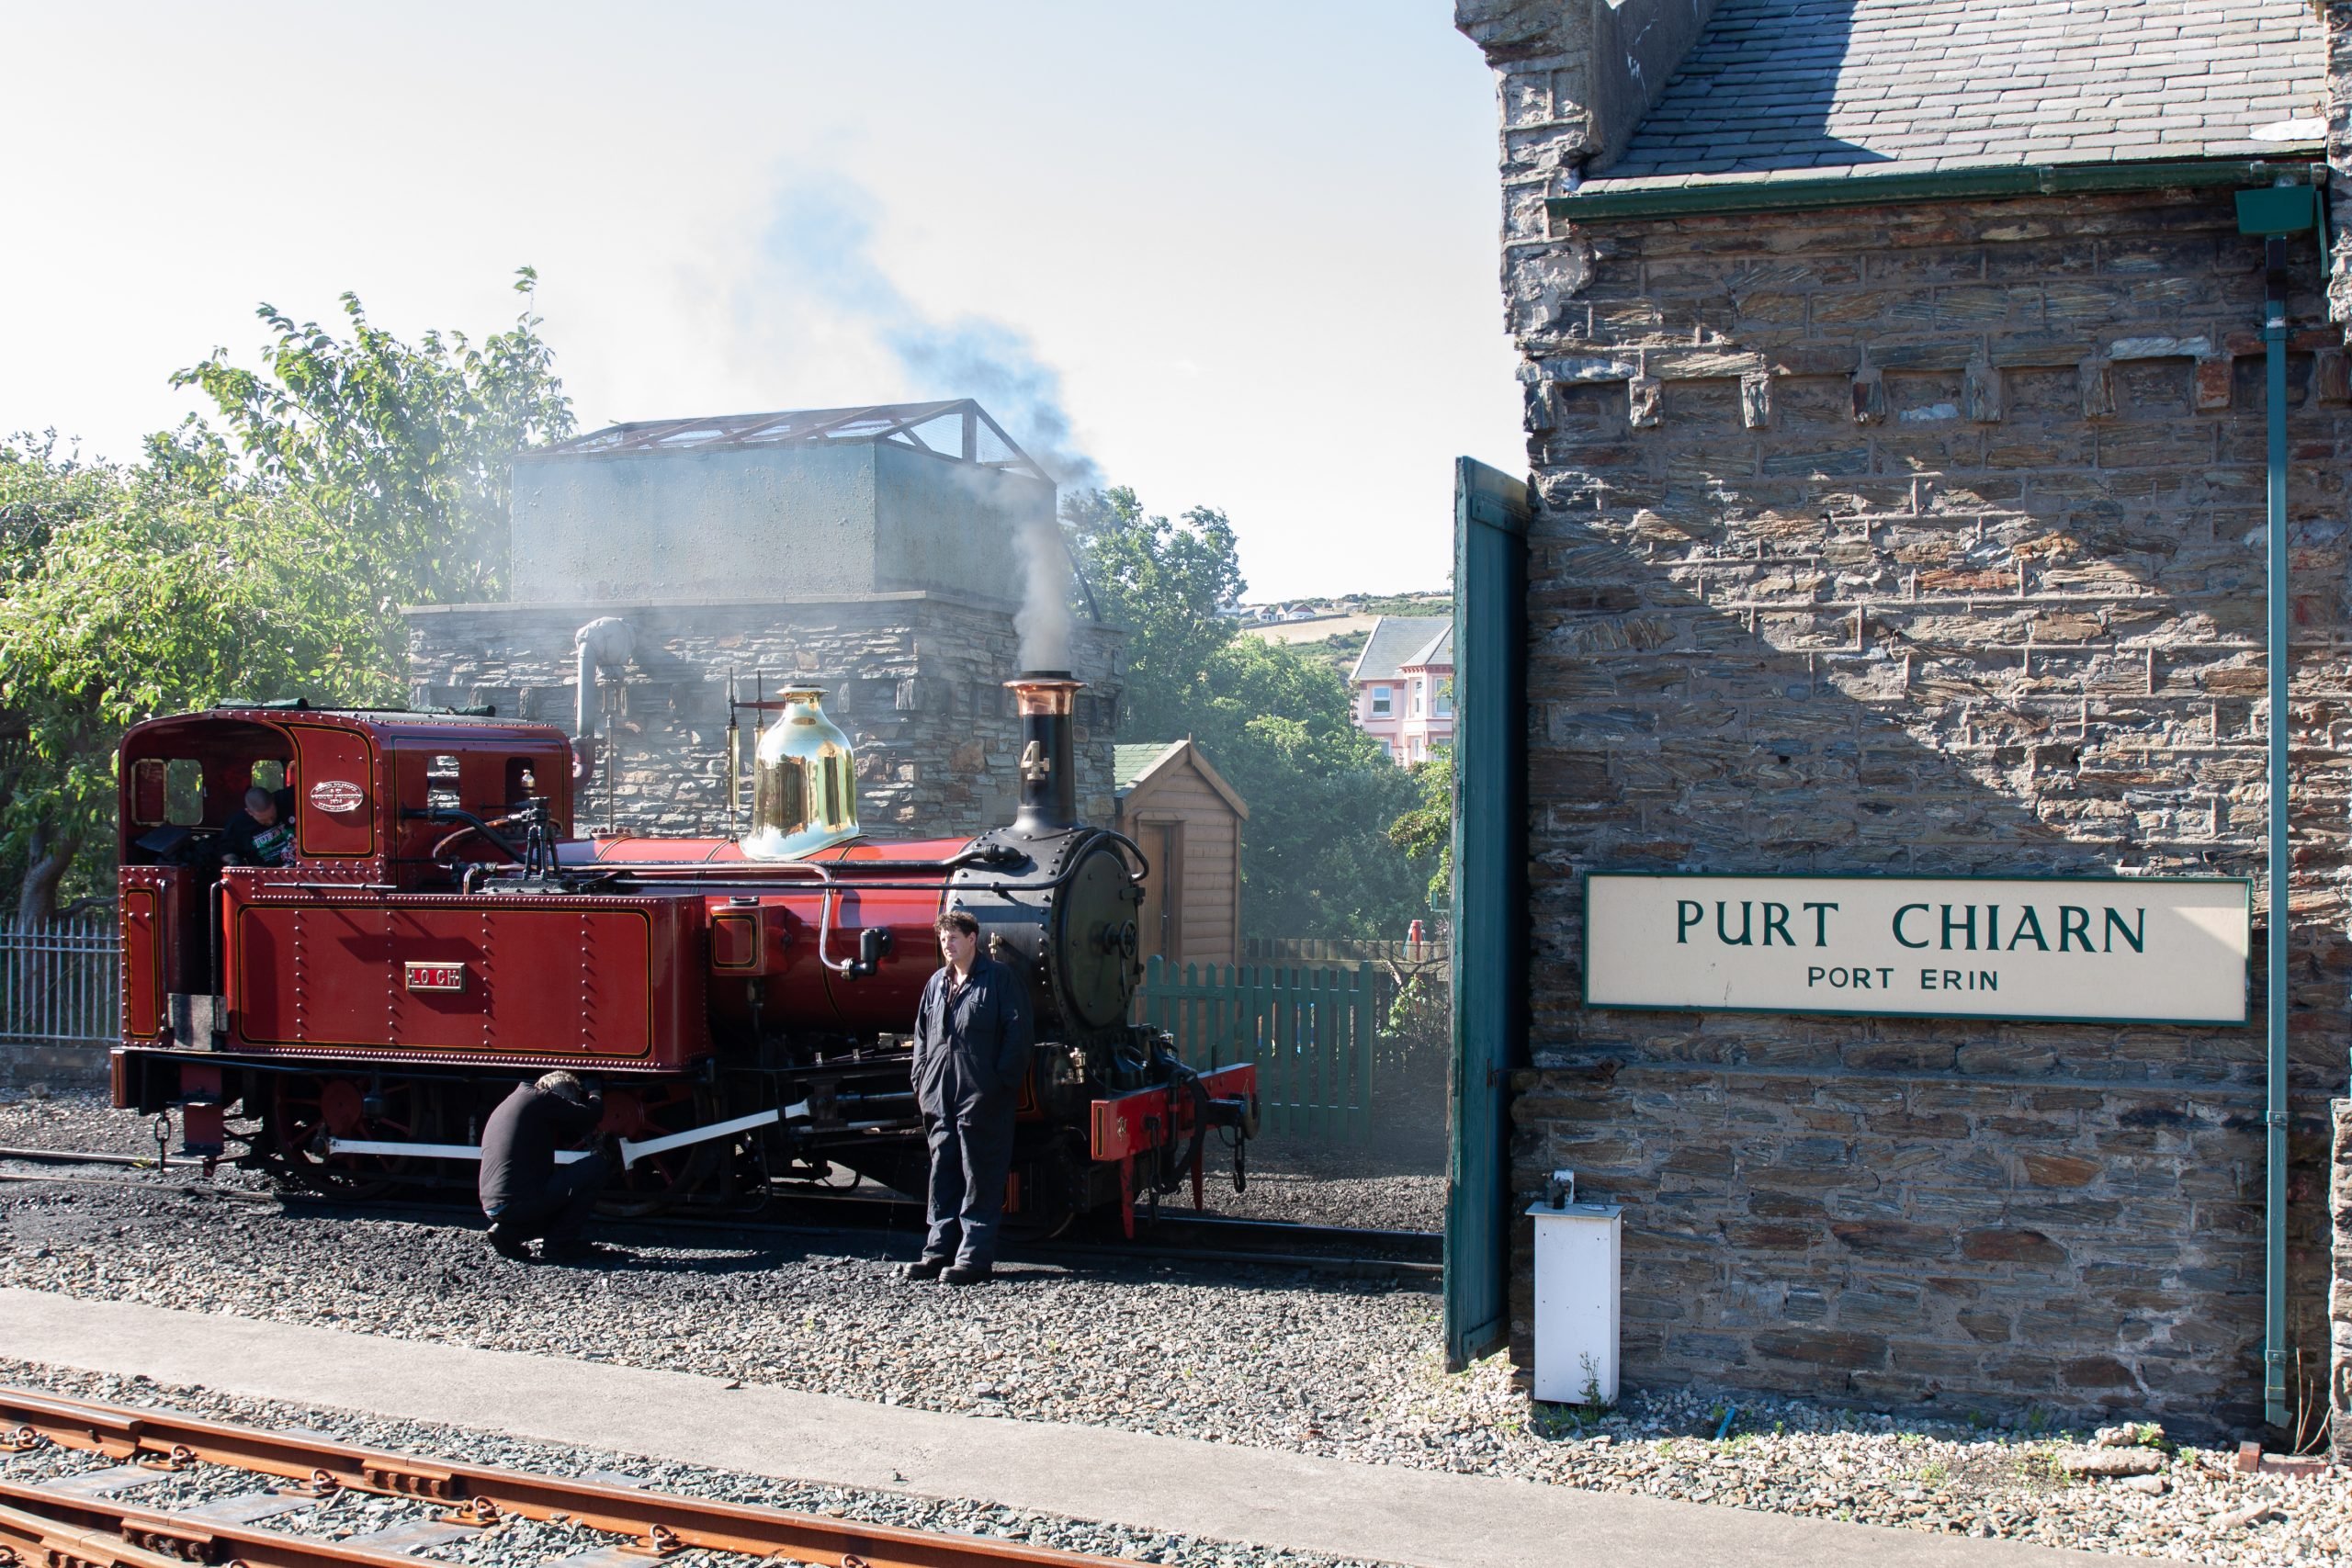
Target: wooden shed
[[1189, 822]]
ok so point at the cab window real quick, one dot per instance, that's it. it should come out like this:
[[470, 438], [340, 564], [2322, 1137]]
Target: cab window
[[183, 792], [148, 792]]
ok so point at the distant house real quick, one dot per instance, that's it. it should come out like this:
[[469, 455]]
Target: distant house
[[1404, 684], [1188, 821]]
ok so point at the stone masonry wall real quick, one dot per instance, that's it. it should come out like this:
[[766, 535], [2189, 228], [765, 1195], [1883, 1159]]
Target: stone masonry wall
[[916, 681], [1928, 539]]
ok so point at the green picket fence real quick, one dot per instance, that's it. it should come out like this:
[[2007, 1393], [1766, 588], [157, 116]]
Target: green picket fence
[[1310, 1031]]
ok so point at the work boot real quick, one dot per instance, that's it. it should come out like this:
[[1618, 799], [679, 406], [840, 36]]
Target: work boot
[[965, 1273], [923, 1268], [506, 1243]]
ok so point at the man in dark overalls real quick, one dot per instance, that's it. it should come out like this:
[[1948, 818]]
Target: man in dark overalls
[[524, 1193], [972, 1035]]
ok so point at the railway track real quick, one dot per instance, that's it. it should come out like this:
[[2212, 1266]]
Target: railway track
[[1173, 1235], [95, 1518]]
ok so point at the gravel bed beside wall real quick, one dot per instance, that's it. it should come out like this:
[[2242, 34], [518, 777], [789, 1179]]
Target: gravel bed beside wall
[[523, 1541], [1258, 1357]]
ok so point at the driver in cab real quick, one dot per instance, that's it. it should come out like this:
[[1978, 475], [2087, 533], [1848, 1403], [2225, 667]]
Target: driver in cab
[[259, 835]]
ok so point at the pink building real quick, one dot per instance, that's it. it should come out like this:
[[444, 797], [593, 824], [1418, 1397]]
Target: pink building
[[1404, 684]]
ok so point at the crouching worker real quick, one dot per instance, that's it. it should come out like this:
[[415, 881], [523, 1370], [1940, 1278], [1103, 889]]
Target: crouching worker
[[972, 1036], [526, 1195]]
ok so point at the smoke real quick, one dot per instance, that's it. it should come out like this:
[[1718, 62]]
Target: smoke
[[817, 255], [817, 264], [1044, 618]]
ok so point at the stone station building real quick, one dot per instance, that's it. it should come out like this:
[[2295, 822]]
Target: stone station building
[[875, 552], [1895, 415]]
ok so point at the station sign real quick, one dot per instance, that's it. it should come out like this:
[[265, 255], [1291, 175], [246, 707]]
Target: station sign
[[2131, 949]]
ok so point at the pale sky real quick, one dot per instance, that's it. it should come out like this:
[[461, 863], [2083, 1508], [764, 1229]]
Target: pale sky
[[1255, 243]]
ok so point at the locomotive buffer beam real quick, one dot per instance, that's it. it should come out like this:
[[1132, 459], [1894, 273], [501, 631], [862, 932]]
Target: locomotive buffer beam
[[1142, 1121], [630, 1153]]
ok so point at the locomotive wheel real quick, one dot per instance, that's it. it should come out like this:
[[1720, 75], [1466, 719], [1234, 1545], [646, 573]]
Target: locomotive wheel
[[304, 1112], [658, 1181]]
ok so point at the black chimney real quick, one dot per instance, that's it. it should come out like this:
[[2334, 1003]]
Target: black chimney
[[1048, 781]]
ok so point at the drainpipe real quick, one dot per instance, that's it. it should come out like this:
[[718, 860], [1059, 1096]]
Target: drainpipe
[[2285, 208], [2274, 1257]]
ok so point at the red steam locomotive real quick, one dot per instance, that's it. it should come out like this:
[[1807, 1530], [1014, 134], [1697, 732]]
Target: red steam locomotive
[[351, 1016]]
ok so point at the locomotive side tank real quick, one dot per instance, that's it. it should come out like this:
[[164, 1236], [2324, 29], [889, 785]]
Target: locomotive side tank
[[744, 1002]]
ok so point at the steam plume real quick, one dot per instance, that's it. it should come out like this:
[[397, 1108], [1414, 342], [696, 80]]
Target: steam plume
[[1044, 618], [818, 249]]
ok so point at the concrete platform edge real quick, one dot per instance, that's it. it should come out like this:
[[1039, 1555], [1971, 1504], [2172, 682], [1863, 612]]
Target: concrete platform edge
[[1392, 1513]]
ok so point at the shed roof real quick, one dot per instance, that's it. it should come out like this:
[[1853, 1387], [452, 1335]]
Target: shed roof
[[1129, 764], [1394, 641], [958, 429], [1132, 764], [1814, 84]]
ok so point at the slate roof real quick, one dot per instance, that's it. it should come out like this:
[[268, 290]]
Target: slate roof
[[1435, 654], [1849, 85], [1395, 640]]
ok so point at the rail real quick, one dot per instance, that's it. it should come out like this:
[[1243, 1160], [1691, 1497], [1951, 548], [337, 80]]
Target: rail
[[86, 1526]]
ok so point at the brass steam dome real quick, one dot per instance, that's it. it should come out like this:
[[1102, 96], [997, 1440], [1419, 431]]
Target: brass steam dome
[[804, 782]]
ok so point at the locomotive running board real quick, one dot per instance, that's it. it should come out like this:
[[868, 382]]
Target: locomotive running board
[[630, 1153]]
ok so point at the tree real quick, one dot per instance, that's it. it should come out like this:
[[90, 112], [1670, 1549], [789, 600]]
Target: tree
[[1316, 860], [1426, 833], [366, 473], [1165, 583], [158, 587], [409, 447]]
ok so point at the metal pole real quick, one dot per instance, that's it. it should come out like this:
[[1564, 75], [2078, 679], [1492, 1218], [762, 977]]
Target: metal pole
[[2274, 1281]]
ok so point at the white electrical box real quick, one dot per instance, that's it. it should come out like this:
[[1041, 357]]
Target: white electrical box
[[1576, 1255]]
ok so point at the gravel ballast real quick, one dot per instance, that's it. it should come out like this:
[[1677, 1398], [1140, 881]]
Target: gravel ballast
[[1340, 1367]]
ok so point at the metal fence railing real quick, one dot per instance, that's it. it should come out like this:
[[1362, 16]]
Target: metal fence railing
[[1310, 1031], [60, 984]]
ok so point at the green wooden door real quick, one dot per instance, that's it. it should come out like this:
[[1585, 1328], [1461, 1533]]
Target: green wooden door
[[1490, 514]]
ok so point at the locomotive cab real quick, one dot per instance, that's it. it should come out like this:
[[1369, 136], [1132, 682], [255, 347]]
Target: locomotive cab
[[368, 797]]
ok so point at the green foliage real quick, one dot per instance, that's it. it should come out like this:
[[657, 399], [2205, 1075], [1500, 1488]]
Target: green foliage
[[159, 588], [408, 446], [366, 473], [1165, 583], [1425, 832], [1405, 603], [1339, 652], [1316, 860]]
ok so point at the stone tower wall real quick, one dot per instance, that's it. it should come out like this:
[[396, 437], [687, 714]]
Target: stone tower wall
[[916, 680]]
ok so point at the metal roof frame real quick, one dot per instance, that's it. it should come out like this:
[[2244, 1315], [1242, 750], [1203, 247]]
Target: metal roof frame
[[869, 424]]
